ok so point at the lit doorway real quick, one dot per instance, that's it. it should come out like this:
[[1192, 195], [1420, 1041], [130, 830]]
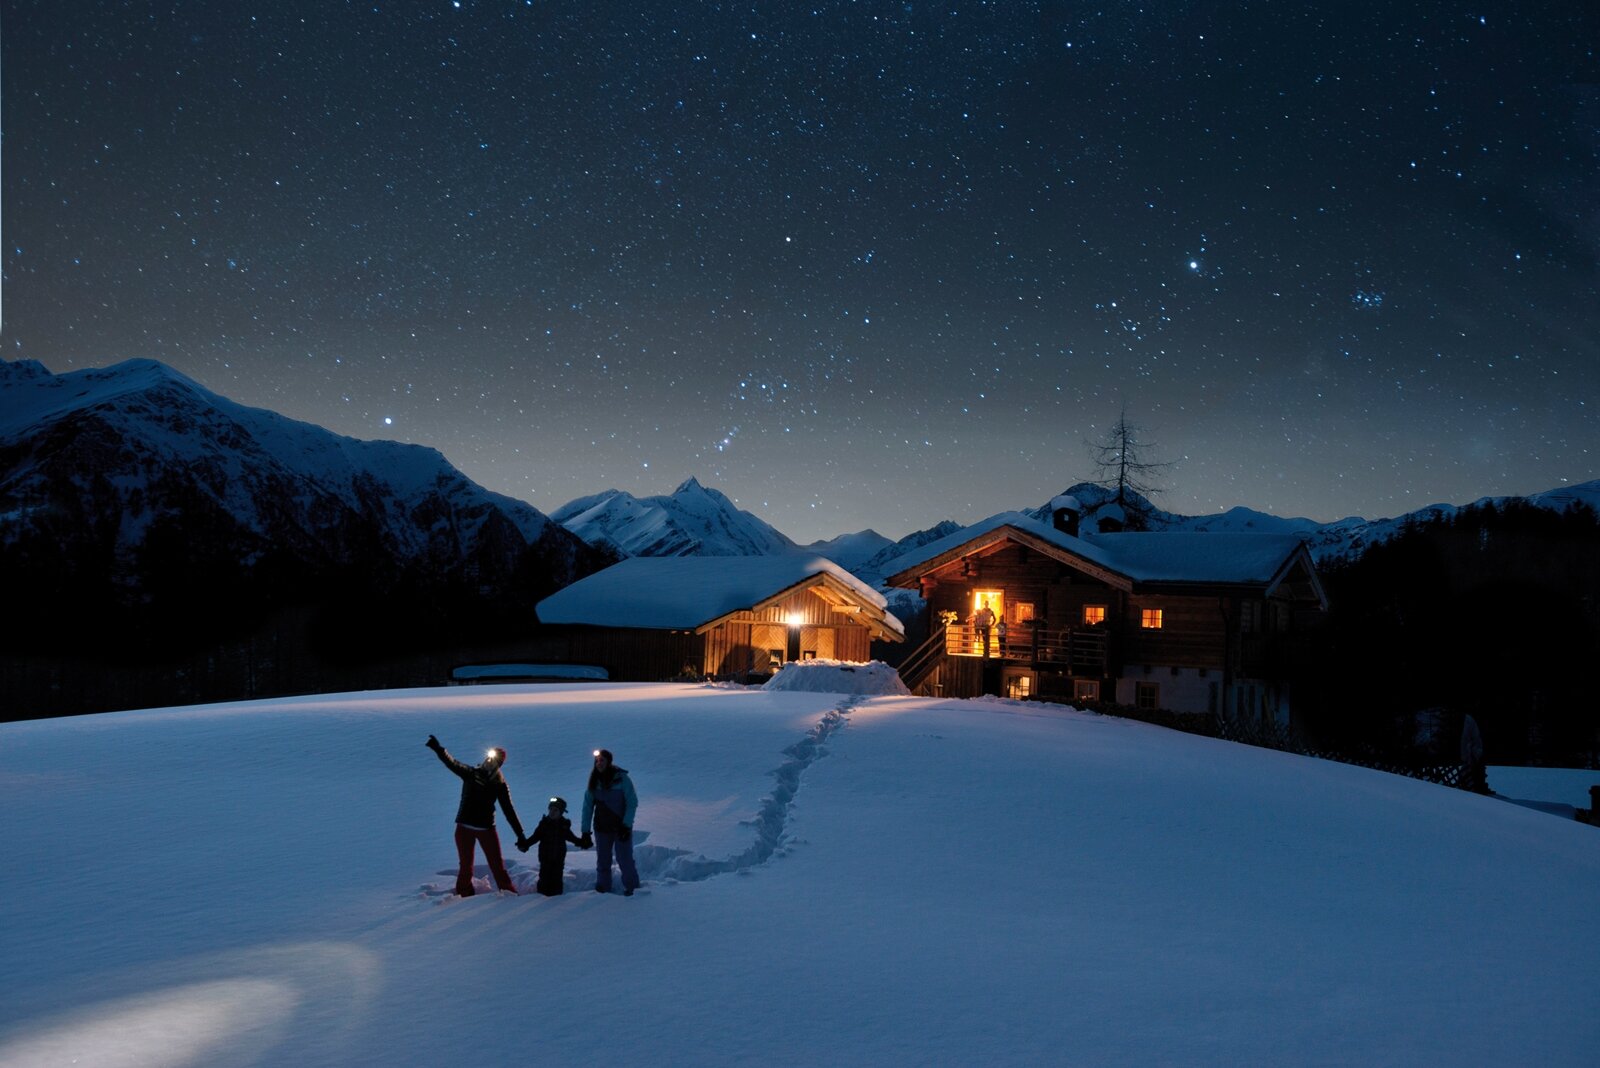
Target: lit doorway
[[995, 601]]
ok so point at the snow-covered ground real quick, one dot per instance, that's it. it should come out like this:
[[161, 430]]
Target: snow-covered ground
[[831, 880]]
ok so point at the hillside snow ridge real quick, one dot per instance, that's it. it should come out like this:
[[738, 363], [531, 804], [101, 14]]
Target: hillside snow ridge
[[1193, 901]]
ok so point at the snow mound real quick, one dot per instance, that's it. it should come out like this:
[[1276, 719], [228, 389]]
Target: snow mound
[[838, 676]]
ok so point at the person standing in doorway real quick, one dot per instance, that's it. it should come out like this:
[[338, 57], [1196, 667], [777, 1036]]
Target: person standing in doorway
[[609, 804], [982, 621], [481, 787]]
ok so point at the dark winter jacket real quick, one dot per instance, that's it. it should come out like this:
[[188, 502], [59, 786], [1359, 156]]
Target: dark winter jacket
[[480, 789], [609, 802], [552, 836]]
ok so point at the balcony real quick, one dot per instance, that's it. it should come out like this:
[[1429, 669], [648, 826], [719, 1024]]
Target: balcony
[[1071, 650]]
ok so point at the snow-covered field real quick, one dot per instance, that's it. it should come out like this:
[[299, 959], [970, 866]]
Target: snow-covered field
[[831, 880]]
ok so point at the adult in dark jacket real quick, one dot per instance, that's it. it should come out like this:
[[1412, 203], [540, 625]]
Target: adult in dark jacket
[[481, 787], [609, 804], [552, 835]]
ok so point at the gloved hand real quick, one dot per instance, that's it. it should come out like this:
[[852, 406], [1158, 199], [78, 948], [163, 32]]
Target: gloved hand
[[433, 743], [588, 841], [624, 833], [523, 844]]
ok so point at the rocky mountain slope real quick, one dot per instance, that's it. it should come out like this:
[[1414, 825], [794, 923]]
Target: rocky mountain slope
[[108, 469]]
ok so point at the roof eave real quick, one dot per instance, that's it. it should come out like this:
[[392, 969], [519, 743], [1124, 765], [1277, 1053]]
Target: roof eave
[[910, 577]]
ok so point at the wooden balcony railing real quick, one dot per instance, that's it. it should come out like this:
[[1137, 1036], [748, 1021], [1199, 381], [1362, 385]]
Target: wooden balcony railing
[[1074, 650]]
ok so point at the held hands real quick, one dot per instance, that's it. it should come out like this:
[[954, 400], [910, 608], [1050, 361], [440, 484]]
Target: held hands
[[587, 842], [433, 743], [523, 843]]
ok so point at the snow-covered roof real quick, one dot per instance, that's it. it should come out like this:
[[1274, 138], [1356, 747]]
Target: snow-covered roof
[[688, 592], [1166, 556]]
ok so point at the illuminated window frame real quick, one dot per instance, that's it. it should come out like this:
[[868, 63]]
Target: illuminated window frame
[[1150, 618], [1093, 613]]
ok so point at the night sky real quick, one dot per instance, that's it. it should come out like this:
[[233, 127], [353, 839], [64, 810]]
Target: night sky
[[854, 264]]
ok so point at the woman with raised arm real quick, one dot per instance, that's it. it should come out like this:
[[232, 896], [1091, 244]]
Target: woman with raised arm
[[481, 787]]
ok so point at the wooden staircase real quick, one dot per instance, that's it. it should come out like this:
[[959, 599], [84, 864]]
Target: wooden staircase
[[915, 669]]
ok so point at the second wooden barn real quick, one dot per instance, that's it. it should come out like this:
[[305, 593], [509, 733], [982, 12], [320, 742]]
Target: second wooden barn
[[653, 618]]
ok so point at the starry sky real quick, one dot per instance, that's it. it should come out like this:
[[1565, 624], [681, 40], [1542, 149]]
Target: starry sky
[[853, 264]]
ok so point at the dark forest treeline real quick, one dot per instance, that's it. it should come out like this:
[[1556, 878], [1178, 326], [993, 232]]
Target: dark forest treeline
[[192, 619], [1493, 613]]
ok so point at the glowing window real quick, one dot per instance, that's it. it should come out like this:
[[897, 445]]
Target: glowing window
[[1094, 613], [1150, 618]]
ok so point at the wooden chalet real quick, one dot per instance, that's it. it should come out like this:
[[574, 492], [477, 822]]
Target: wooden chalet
[[1187, 622], [655, 618]]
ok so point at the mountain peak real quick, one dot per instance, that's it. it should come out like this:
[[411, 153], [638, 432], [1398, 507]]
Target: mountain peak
[[693, 520], [22, 370]]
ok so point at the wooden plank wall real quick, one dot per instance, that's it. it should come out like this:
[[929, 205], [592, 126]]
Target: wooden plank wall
[[633, 654], [956, 676], [1193, 632], [741, 644], [1056, 591]]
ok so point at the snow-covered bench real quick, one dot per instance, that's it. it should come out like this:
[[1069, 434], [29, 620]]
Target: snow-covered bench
[[471, 673]]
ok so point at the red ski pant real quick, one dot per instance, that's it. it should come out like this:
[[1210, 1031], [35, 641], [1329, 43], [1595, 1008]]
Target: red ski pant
[[486, 837]]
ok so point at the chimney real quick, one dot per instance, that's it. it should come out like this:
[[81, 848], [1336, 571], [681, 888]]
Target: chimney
[[1064, 513], [1112, 519]]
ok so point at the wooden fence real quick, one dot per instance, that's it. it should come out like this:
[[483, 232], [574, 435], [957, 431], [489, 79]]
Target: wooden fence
[[1286, 739]]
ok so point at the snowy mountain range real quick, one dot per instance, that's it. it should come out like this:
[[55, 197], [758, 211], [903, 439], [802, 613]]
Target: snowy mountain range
[[1341, 538], [93, 462], [695, 520], [690, 521]]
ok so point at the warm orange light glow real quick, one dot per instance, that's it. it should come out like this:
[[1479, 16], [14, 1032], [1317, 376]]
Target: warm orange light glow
[[1150, 618], [1094, 613], [794, 619], [995, 602]]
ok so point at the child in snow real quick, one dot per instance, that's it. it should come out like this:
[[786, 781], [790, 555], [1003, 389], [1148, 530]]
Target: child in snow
[[552, 834]]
